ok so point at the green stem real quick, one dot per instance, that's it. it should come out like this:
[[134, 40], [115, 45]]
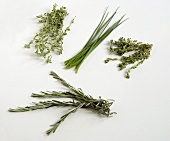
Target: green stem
[[55, 125]]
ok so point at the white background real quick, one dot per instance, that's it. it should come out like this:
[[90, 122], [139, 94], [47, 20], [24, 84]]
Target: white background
[[142, 102]]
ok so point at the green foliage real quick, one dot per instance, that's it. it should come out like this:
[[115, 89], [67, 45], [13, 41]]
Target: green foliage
[[140, 52], [77, 100], [99, 34], [50, 36]]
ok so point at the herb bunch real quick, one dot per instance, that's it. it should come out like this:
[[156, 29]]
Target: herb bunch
[[99, 34], [50, 36], [140, 52], [78, 100]]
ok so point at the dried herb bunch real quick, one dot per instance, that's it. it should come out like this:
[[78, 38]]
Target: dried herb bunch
[[99, 34], [140, 52], [79, 100], [50, 36]]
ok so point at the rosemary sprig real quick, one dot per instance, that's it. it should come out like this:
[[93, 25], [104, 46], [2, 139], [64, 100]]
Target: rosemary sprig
[[79, 100], [50, 36], [140, 52], [55, 125], [44, 105], [99, 34]]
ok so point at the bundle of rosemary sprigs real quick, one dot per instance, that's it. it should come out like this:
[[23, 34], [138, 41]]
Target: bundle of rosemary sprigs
[[99, 34], [50, 36], [79, 100], [139, 53]]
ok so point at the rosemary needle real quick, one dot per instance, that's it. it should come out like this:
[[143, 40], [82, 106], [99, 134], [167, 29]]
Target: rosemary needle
[[78, 100]]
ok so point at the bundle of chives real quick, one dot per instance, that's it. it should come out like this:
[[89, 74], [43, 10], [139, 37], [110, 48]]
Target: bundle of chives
[[99, 34]]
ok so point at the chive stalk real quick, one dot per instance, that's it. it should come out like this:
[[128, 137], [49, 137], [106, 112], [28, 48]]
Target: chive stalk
[[99, 34]]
